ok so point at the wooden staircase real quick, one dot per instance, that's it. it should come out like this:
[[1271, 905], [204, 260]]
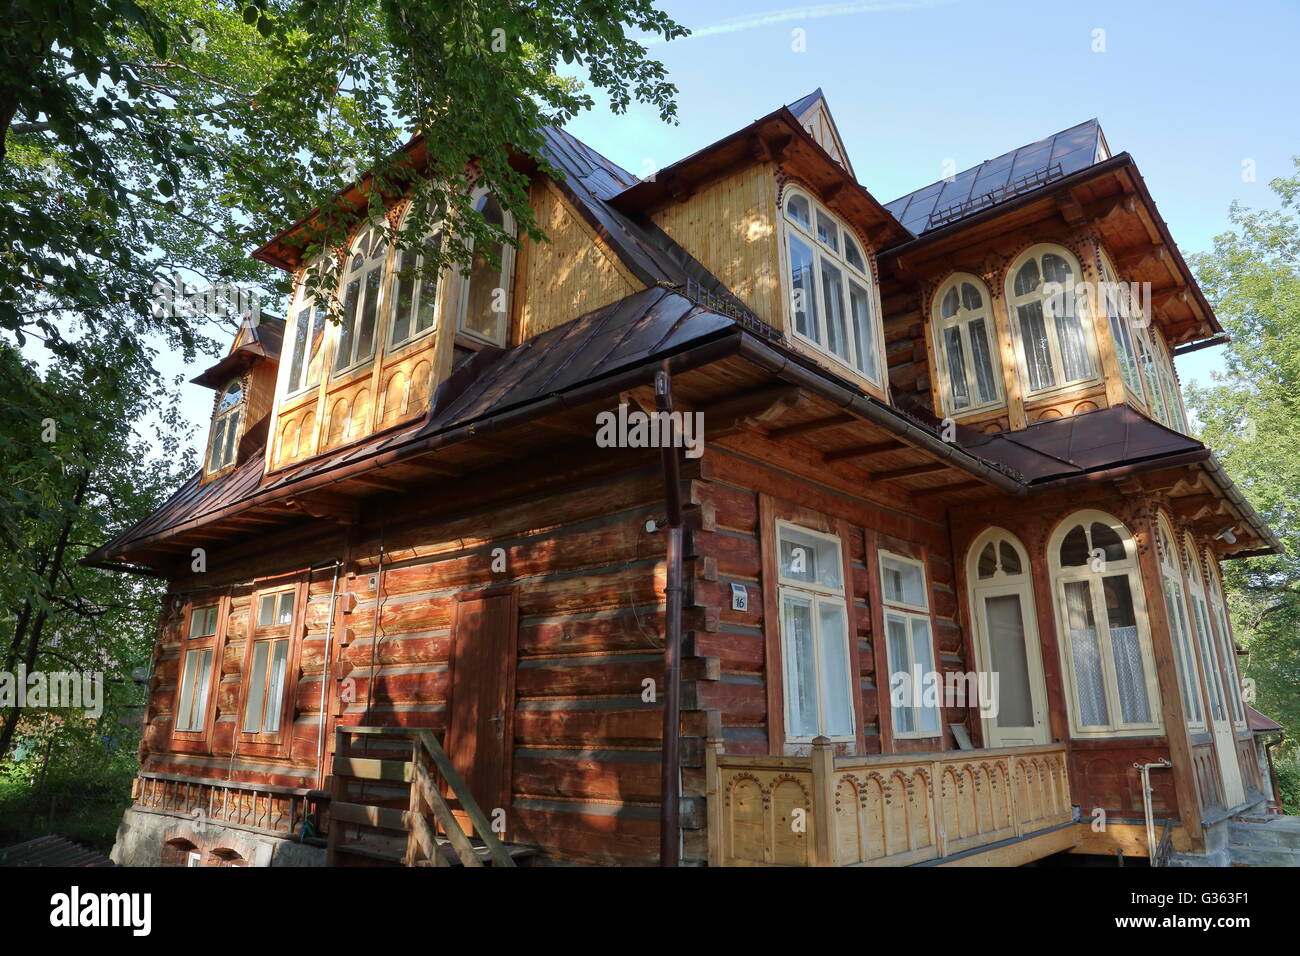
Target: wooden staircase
[[389, 807]]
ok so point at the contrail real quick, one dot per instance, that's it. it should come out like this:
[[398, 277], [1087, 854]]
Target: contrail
[[812, 12]]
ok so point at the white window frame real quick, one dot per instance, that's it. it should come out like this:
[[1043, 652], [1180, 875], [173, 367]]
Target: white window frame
[[838, 258], [303, 299], [1013, 301], [909, 615], [1181, 623], [1198, 601], [417, 297], [1061, 576], [1223, 627], [231, 417], [1125, 333], [507, 279], [200, 684], [962, 320], [817, 594], [347, 273]]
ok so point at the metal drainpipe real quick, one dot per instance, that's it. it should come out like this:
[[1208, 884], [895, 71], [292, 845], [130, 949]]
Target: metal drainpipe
[[1147, 811], [669, 774], [326, 674]]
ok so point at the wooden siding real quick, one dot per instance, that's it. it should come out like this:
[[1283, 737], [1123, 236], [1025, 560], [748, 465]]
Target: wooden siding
[[730, 226]]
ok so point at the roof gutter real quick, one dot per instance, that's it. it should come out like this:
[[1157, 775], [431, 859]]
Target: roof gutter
[[1212, 341]]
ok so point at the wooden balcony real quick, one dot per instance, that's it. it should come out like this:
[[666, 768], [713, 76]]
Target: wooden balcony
[[262, 808], [1004, 806]]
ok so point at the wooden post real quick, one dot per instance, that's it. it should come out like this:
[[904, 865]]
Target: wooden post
[[823, 799], [713, 799]]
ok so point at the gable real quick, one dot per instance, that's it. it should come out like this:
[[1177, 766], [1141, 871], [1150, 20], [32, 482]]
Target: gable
[[814, 115]]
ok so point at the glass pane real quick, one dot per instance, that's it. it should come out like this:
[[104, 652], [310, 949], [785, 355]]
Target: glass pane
[[982, 361], [837, 683], [854, 255], [971, 297], [215, 459], [232, 435], [988, 563], [864, 332], [203, 621], [402, 291], [343, 357], [185, 707], [256, 689], [1126, 648], [1187, 678], [900, 663], [231, 396], [958, 391], [803, 298], [807, 558], [1010, 558], [1201, 618], [1027, 278], [903, 582], [301, 332], [427, 309], [800, 682], [369, 313], [837, 336], [1006, 630], [485, 306], [1038, 355], [827, 232], [286, 608], [950, 304], [313, 354], [797, 208], [1085, 654], [1108, 540], [923, 658], [1075, 361], [1074, 549], [275, 690], [266, 610]]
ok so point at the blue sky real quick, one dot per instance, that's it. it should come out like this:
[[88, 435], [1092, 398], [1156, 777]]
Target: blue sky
[[1190, 89]]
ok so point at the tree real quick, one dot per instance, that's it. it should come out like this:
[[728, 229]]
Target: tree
[[1250, 415]]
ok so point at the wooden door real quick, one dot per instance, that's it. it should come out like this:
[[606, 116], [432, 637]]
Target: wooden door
[[480, 723], [1007, 643]]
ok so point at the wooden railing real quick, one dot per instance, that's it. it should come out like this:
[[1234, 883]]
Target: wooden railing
[[252, 806], [431, 817], [886, 810]]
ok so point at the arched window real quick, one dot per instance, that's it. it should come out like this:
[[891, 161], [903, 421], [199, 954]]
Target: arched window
[[413, 297], [966, 345], [1220, 610], [224, 441], [1101, 614], [485, 292], [1123, 313], [306, 334], [362, 284], [1055, 343], [1204, 632], [1175, 603], [830, 286], [1003, 616]]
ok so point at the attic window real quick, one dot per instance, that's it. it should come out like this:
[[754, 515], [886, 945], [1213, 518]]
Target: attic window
[[225, 427], [485, 293], [831, 297], [966, 346], [413, 295], [307, 333], [1056, 346], [361, 286]]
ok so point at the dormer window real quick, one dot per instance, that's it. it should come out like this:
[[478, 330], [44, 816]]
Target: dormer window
[[225, 427], [830, 287], [307, 331], [968, 362], [1055, 344], [485, 292], [413, 296], [362, 281]]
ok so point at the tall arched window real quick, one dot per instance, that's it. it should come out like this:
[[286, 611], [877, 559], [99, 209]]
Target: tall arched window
[[361, 290], [1224, 632], [224, 441], [413, 297], [1121, 310], [966, 345], [830, 286], [1003, 616], [485, 292], [1101, 614], [306, 334], [1179, 628], [1055, 343], [1204, 631]]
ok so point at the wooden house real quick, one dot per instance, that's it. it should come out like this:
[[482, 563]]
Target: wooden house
[[934, 581]]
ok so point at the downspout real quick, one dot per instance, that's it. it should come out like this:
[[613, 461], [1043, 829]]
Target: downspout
[[670, 761], [1147, 811], [326, 674]]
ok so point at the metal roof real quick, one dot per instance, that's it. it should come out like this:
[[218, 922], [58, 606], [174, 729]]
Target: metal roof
[[996, 180], [52, 851]]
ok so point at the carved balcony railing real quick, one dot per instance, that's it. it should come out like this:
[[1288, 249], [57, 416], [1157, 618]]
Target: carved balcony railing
[[252, 806], [886, 810]]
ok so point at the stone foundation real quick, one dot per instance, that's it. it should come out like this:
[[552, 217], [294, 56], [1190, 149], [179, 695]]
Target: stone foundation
[[148, 838]]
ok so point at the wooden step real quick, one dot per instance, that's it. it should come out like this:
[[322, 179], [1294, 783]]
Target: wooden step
[[363, 813], [369, 768], [366, 851]]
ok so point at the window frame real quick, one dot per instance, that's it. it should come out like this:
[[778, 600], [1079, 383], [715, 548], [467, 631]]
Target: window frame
[[1222, 625], [864, 277], [507, 273], [200, 740], [909, 615], [962, 319], [390, 347], [1125, 332], [1181, 628], [1060, 576], [271, 743], [816, 594], [233, 415], [346, 272], [1013, 301], [318, 317]]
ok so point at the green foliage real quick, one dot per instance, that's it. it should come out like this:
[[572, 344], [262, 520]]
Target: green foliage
[[1288, 784], [1248, 414]]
